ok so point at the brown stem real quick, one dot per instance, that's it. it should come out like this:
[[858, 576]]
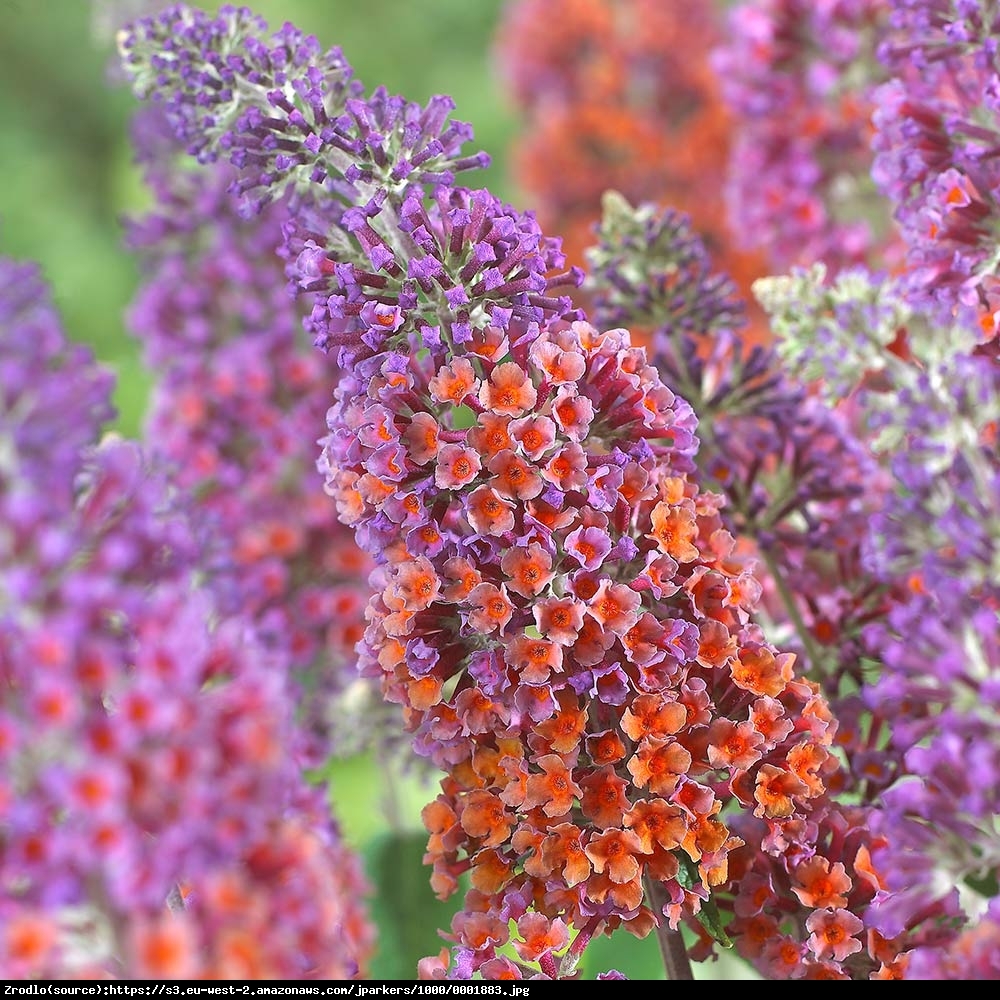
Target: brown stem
[[672, 947]]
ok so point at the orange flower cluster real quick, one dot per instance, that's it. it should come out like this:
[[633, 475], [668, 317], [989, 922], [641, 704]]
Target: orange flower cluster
[[576, 651], [622, 97]]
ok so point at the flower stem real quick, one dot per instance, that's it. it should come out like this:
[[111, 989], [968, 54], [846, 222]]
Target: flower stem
[[672, 947]]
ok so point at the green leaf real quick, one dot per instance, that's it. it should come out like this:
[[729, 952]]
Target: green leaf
[[711, 920], [687, 874], [708, 916]]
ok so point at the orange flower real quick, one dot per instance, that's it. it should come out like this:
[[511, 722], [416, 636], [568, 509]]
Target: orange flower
[[805, 759], [604, 800], [605, 748], [658, 575], [515, 786], [784, 958], [696, 799], [554, 790], [550, 517], [421, 438], [465, 576], [484, 816], [514, 477], [755, 934], [480, 930], [833, 934], [867, 872], [659, 763], [635, 485], [821, 885], [539, 935], [477, 712], [716, 646], [563, 731], [615, 851], [534, 434], [642, 641], [626, 895], [744, 592], [414, 584], [733, 746], [560, 366], [534, 659], [592, 642], [674, 530], [456, 467], [559, 619], [775, 792], [768, 718], [573, 412], [491, 435], [486, 760], [489, 342], [424, 692], [886, 951], [508, 391], [490, 872], [491, 608], [527, 842], [615, 606], [529, 569], [706, 835], [563, 848], [657, 823], [567, 468], [650, 715], [661, 865], [453, 382], [757, 669], [373, 490], [488, 512]]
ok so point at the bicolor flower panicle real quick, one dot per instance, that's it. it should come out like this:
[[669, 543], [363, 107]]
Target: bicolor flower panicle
[[239, 391], [799, 78], [937, 128], [569, 629], [153, 822], [559, 607]]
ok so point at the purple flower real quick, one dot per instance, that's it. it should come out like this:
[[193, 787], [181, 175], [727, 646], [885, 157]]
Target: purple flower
[[936, 130], [284, 113], [798, 77], [234, 411]]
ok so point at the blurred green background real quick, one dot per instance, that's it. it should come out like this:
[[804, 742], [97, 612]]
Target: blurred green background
[[67, 180]]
